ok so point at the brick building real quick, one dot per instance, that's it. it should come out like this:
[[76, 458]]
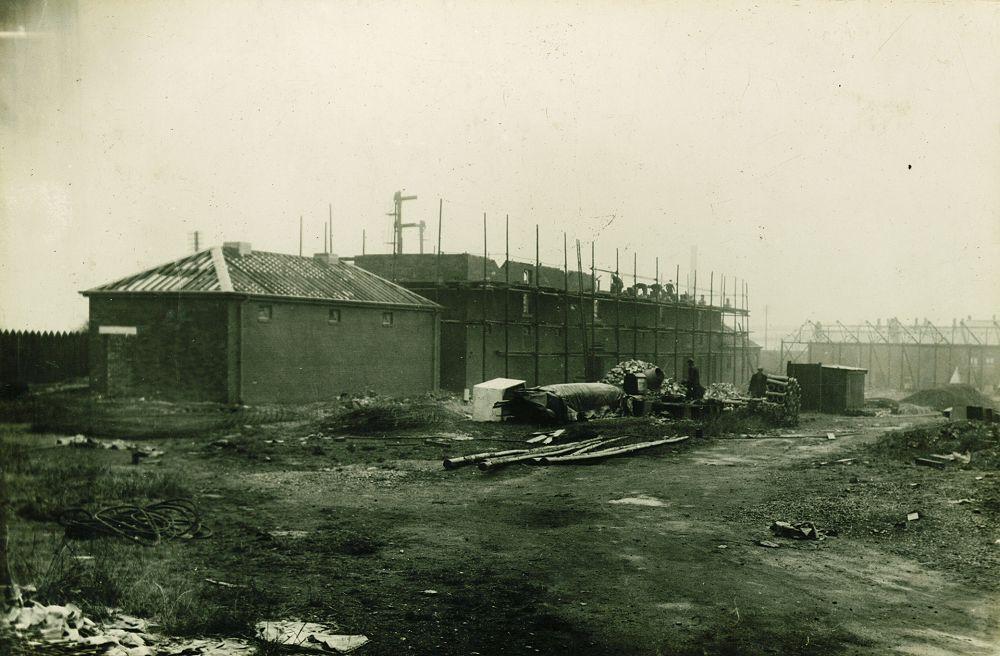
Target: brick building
[[546, 325], [232, 324]]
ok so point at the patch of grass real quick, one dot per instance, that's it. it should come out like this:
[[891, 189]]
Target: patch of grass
[[160, 583], [42, 482]]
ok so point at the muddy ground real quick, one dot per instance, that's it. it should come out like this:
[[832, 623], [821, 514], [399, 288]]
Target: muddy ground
[[652, 554]]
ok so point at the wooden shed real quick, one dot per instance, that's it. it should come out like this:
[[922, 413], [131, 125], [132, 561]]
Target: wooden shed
[[829, 388]]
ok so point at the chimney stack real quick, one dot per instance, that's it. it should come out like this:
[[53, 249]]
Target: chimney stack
[[237, 247], [327, 258]]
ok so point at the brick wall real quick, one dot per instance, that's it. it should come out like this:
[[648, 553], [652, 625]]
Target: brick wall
[[299, 355], [178, 353]]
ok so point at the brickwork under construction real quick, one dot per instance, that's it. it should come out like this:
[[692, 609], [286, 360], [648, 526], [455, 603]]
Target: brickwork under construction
[[561, 329]]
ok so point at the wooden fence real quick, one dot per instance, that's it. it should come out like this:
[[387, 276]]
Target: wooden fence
[[42, 357]]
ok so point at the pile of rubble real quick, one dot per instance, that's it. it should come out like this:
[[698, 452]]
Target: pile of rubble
[[616, 376], [722, 392], [65, 630]]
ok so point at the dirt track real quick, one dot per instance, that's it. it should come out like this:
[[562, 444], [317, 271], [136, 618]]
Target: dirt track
[[535, 559]]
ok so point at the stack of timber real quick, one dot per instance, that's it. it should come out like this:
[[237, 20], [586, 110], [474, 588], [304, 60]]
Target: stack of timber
[[578, 452], [785, 393]]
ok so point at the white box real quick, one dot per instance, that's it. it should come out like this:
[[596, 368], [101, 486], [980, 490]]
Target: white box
[[485, 395]]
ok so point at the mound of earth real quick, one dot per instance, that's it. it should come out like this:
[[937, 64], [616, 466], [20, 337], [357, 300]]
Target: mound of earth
[[949, 396]]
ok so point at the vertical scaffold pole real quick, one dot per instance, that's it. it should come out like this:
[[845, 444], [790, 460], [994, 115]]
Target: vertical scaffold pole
[[565, 304], [482, 303], [583, 315], [537, 305], [656, 317], [635, 305], [711, 302], [593, 300], [506, 299], [676, 313]]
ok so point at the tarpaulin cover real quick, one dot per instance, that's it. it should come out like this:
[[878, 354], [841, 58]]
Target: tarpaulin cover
[[567, 401]]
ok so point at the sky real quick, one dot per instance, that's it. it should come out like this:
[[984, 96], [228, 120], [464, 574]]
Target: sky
[[843, 159]]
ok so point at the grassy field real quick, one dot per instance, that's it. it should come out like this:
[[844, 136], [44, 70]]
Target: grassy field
[[651, 554]]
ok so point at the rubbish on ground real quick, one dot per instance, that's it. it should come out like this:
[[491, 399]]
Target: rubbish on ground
[[82, 441], [429, 592], [223, 584], [842, 461], [799, 531], [961, 501], [912, 517], [308, 635], [831, 436], [76, 440], [546, 438], [964, 458], [927, 462], [148, 525], [289, 534], [641, 500], [768, 543]]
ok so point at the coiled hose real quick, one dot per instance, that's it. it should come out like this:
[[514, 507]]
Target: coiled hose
[[148, 525]]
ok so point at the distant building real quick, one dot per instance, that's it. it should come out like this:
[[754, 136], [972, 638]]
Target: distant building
[[232, 324]]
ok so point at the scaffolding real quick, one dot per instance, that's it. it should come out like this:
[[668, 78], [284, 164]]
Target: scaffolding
[[898, 356], [552, 323]]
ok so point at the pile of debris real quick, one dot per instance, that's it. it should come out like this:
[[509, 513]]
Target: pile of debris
[[85, 442], [545, 449], [65, 630], [722, 392], [616, 376]]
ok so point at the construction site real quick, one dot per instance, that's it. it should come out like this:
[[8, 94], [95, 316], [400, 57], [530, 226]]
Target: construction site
[[488, 329]]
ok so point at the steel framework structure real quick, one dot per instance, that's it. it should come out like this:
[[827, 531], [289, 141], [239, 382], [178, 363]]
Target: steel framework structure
[[901, 356]]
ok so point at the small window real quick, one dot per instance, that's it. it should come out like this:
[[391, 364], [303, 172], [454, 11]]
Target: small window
[[525, 305], [526, 276], [263, 313], [387, 318], [333, 316]]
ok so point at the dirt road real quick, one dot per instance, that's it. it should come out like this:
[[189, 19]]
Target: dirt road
[[642, 555]]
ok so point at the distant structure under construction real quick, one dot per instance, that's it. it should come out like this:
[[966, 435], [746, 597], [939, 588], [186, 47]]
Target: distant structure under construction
[[902, 356], [546, 324]]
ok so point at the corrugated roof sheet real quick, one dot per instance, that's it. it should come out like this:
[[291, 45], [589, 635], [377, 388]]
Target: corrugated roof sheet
[[269, 274]]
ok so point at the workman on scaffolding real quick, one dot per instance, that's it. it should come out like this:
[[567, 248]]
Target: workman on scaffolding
[[616, 284]]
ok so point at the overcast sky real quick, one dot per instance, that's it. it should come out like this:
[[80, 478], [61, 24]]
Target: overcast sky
[[842, 158]]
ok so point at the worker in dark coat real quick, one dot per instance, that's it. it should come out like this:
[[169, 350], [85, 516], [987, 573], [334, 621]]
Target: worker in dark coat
[[758, 384], [616, 284], [693, 381]]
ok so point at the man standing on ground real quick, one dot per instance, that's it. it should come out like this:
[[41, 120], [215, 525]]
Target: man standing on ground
[[758, 384], [693, 381]]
